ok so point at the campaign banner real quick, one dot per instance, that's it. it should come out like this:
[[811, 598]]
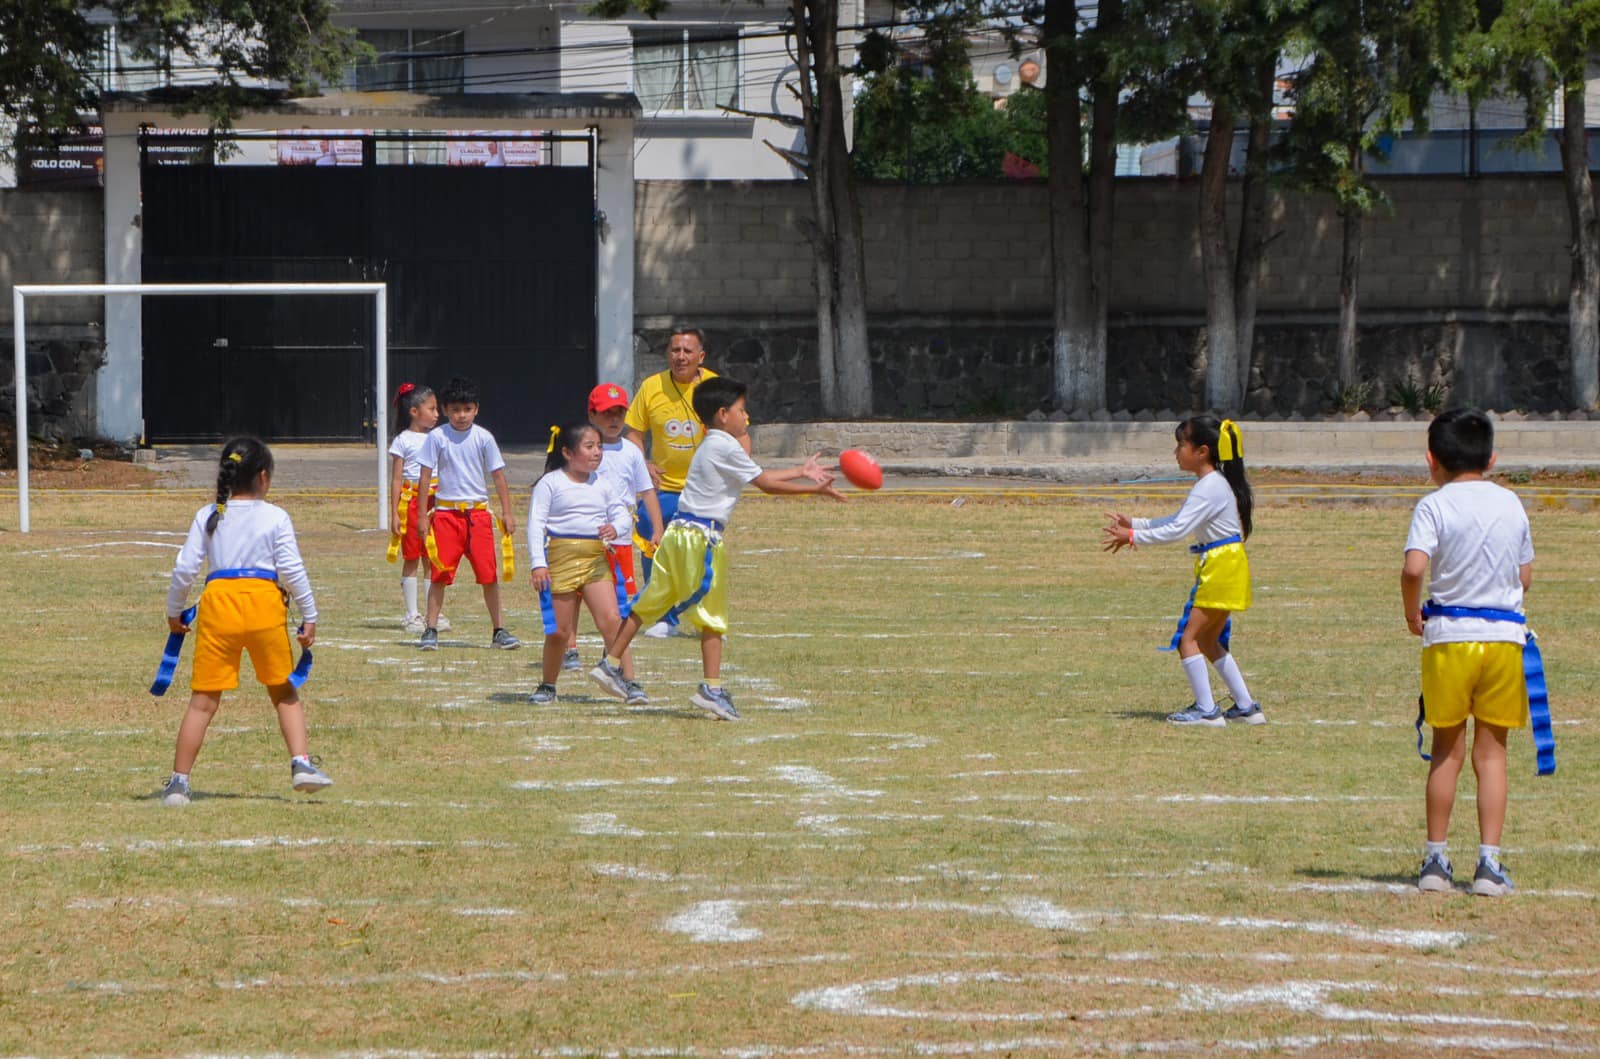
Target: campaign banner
[[329, 151], [497, 149]]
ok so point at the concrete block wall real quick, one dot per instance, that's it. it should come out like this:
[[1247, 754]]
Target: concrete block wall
[[51, 237], [1446, 244]]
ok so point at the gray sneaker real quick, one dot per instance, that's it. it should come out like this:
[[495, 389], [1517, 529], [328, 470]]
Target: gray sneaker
[[543, 695], [610, 678], [430, 640], [1436, 876], [716, 701], [1194, 716], [176, 792], [571, 661], [636, 695], [1250, 714], [505, 641], [1491, 880], [307, 779]]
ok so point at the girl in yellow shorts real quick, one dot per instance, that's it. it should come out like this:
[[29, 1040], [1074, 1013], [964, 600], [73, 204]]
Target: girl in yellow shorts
[[572, 520], [249, 549], [1217, 513]]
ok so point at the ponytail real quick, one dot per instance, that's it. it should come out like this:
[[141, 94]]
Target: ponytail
[[562, 441], [1227, 455], [407, 397], [243, 461]]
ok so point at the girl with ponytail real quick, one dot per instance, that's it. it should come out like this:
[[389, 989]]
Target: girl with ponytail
[[1217, 513], [417, 408], [253, 567]]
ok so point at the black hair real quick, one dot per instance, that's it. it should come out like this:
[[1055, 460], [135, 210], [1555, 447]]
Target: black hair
[[407, 397], [1207, 430], [563, 441], [699, 335], [714, 394], [1461, 440], [242, 461], [458, 391]]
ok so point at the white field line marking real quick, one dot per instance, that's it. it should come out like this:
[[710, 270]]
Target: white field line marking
[[712, 921], [486, 911], [603, 824], [263, 842], [628, 871], [818, 784], [107, 544]]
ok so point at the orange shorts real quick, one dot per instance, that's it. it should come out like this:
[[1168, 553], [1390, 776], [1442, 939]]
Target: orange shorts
[[236, 616], [411, 546], [465, 533]]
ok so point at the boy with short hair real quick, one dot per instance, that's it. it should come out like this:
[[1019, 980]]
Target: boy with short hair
[[690, 576], [466, 459], [623, 465], [1474, 534]]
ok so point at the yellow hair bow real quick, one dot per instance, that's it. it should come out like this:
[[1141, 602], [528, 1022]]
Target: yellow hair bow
[[555, 432], [235, 457], [1229, 448]]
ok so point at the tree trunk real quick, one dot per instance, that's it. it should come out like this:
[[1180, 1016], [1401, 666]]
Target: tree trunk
[[1223, 394], [1349, 284], [843, 363], [1079, 240], [1583, 292], [1253, 223]]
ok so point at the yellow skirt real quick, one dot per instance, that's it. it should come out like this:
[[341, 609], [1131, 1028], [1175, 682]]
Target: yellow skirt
[[575, 562], [1222, 578]]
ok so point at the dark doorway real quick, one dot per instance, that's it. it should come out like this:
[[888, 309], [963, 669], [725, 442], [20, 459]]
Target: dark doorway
[[491, 275]]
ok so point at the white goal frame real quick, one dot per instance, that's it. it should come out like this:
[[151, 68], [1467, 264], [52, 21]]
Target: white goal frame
[[379, 292]]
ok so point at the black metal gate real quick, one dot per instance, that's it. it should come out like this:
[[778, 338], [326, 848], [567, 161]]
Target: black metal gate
[[491, 275]]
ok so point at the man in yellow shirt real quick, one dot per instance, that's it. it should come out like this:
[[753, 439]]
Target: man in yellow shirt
[[661, 421]]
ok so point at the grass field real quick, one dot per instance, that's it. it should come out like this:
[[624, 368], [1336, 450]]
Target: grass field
[[952, 822]]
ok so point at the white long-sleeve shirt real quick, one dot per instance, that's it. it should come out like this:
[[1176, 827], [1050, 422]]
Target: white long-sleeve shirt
[[1209, 512], [565, 508], [251, 533]]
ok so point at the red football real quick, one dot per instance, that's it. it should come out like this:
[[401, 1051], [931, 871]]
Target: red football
[[862, 470]]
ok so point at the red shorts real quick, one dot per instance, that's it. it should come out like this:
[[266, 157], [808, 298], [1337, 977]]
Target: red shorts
[[468, 533], [622, 563], [411, 546]]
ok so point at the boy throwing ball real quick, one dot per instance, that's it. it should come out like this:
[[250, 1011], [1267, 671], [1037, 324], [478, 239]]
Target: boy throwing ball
[[690, 579]]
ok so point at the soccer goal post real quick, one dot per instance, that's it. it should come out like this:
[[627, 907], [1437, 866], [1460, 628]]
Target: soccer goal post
[[378, 292]]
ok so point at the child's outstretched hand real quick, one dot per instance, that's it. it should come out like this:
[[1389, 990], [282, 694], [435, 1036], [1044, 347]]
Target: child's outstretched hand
[[814, 470], [1118, 533], [827, 489]]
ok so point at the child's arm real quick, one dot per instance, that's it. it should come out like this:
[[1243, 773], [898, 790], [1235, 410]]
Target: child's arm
[[424, 509], [1416, 565], [1525, 575], [538, 519], [503, 490], [793, 481], [652, 507], [397, 513]]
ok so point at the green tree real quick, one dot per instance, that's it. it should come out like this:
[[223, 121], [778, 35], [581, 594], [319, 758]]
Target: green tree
[[1374, 67], [49, 49], [1540, 50], [907, 132]]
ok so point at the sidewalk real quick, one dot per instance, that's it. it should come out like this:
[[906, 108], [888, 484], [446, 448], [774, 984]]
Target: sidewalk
[[1057, 452]]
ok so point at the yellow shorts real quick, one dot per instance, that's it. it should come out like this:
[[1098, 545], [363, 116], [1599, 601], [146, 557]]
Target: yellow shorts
[[235, 616], [1224, 579], [1481, 680], [688, 564], [575, 563]]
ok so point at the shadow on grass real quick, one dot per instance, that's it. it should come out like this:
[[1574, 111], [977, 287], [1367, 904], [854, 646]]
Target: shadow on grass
[[221, 796], [1144, 715], [600, 705], [1331, 874]]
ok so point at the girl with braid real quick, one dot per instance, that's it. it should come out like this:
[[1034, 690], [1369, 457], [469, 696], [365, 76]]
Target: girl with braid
[[1217, 514], [253, 564]]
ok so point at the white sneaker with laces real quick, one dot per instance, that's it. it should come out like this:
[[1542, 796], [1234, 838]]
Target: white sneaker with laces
[[659, 631]]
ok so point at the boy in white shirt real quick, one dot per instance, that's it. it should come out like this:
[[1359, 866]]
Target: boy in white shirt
[[1475, 536], [466, 459], [690, 576]]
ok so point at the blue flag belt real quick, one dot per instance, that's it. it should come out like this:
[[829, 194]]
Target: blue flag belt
[[1183, 619], [1544, 737], [169, 654], [696, 520]]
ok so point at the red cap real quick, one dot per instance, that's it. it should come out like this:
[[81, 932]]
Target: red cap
[[606, 396]]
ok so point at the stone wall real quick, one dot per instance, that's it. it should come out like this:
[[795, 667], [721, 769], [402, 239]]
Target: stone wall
[[1463, 287], [53, 237]]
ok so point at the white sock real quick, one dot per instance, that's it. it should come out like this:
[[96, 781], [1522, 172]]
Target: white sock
[[1194, 667], [1490, 854], [408, 592], [301, 758], [1432, 849], [182, 776], [1228, 670]]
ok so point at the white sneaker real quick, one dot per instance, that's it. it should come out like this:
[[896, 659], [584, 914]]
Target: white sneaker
[[444, 624], [659, 631], [413, 623]]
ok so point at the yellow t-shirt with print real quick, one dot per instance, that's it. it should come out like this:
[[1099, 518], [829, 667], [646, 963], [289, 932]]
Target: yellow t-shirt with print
[[665, 411]]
